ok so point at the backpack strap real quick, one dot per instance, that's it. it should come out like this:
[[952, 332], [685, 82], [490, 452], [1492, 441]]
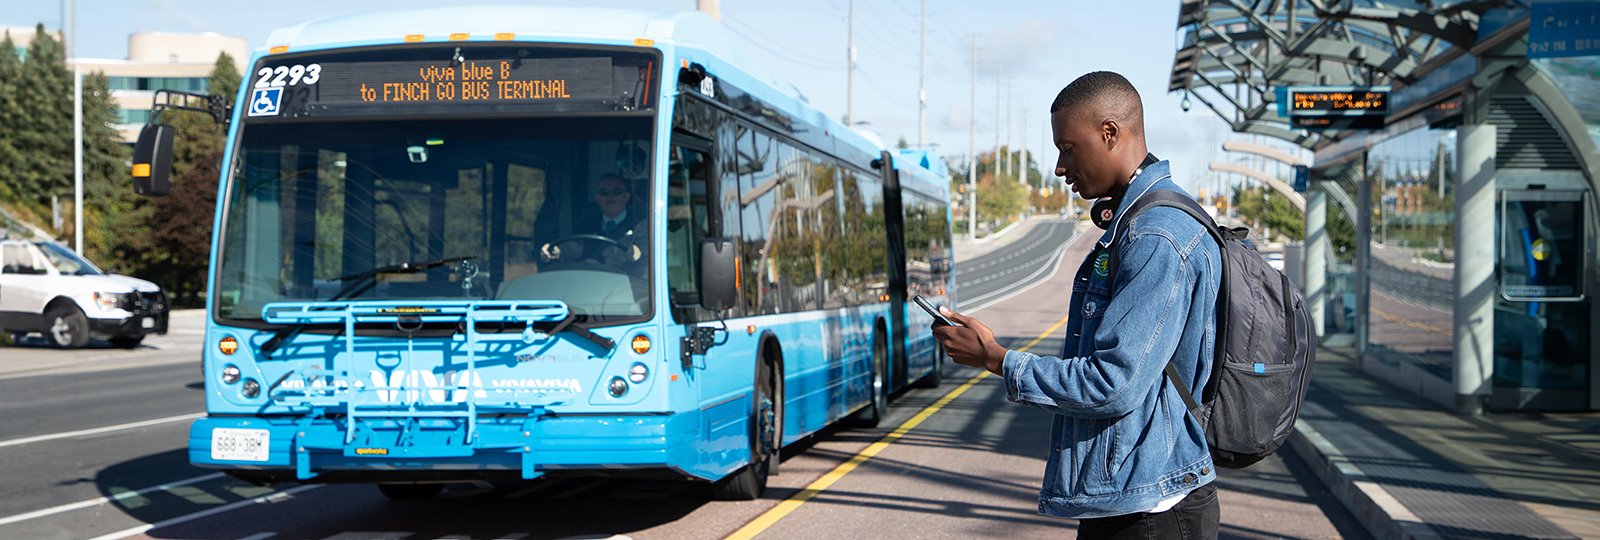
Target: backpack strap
[[1165, 197]]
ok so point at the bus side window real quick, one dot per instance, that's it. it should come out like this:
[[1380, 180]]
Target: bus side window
[[687, 222]]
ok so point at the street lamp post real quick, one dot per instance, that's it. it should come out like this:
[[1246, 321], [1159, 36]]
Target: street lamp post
[[77, 135]]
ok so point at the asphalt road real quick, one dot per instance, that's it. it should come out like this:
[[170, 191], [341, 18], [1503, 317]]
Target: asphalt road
[[989, 277], [969, 468]]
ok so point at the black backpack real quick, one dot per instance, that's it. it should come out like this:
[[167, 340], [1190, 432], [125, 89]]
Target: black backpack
[[1265, 346]]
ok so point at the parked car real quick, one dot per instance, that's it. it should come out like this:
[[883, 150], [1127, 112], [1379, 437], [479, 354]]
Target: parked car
[[46, 288]]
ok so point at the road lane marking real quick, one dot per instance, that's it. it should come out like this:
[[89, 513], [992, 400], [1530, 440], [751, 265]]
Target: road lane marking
[[275, 496], [101, 500], [771, 517], [99, 430]]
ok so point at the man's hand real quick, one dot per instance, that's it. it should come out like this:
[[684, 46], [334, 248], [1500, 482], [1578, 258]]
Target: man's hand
[[971, 344]]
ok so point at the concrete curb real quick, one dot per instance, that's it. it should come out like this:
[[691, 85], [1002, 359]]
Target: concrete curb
[[1372, 506], [999, 233]]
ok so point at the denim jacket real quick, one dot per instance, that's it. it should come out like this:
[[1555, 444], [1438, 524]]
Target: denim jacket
[[1122, 439]]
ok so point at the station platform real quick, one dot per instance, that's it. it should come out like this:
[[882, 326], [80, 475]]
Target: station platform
[[1408, 469]]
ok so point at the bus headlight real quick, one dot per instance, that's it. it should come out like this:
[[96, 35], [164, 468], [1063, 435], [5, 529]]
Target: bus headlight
[[617, 387], [251, 388], [230, 374], [638, 373]]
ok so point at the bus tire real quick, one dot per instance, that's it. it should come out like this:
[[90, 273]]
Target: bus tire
[[410, 492], [750, 482], [873, 414], [935, 377]]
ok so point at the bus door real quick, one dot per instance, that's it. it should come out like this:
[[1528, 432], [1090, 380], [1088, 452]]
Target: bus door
[[691, 217], [895, 217]]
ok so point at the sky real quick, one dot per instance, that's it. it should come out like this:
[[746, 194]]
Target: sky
[[1026, 49]]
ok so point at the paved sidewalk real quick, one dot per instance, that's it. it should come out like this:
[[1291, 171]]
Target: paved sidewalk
[[1407, 469]]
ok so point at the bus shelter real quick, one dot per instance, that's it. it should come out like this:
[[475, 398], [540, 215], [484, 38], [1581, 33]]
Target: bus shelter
[[1458, 254]]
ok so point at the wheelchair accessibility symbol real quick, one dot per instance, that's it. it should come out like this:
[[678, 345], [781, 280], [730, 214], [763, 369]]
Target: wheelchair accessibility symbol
[[264, 101]]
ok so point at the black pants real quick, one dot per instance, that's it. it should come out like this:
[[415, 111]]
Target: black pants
[[1196, 517]]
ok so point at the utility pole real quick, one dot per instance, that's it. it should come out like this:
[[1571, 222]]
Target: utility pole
[[850, 69], [999, 73], [77, 134], [922, 73], [1022, 151], [1009, 125], [972, 150]]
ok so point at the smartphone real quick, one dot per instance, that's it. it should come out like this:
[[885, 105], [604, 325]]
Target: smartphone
[[938, 318]]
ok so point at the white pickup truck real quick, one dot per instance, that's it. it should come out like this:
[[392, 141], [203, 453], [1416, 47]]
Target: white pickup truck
[[46, 288]]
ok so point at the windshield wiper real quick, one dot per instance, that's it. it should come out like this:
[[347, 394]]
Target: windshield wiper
[[362, 282], [583, 332]]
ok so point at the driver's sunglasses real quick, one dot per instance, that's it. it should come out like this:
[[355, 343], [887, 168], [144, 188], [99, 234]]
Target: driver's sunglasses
[[609, 192]]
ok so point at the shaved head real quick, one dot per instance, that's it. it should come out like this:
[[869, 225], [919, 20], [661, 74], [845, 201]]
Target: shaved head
[[1098, 126], [1103, 95]]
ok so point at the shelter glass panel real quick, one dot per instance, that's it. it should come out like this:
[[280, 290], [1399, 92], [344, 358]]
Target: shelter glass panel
[[1410, 312]]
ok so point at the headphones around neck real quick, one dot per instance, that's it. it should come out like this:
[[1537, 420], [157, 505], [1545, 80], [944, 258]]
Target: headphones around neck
[[1104, 210]]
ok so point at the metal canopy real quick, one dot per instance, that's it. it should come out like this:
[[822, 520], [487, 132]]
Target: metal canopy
[[1235, 53]]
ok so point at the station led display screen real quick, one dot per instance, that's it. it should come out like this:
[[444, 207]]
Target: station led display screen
[[1354, 100]]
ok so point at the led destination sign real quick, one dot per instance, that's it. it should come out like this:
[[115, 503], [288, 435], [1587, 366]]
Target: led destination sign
[[1304, 101], [446, 80], [540, 79]]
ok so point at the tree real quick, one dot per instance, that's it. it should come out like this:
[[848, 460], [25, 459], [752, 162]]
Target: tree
[[11, 120], [902, 144], [112, 217], [1000, 198], [224, 78], [45, 103], [181, 224], [1267, 209]]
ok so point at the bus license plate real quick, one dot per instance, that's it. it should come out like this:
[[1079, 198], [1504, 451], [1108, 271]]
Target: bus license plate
[[234, 444], [148, 322]]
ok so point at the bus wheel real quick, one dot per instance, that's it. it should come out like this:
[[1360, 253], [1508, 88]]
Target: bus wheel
[[410, 492], [936, 377], [872, 415], [748, 483]]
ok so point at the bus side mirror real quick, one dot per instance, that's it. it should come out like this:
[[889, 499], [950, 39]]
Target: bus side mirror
[[718, 274], [152, 160]]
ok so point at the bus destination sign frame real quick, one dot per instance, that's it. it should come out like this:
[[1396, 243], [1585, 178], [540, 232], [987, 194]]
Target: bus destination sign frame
[[464, 80]]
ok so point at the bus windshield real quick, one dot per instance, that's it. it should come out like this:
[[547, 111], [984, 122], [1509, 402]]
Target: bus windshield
[[542, 208]]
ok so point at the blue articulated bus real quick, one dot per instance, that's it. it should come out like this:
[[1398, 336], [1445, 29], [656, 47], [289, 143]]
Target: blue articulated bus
[[511, 242]]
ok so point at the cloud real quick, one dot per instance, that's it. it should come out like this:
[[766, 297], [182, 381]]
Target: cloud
[[1022, 48]]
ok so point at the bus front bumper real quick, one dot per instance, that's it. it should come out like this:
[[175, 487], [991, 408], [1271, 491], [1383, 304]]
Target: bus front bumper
[[525, 446]]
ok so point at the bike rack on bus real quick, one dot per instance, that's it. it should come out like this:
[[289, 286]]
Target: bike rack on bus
[[409, 317]]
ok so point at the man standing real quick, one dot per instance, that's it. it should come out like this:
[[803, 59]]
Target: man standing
[[1126, 457]]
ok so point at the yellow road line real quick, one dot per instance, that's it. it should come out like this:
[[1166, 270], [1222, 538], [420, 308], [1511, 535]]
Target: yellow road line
[[771, 517]]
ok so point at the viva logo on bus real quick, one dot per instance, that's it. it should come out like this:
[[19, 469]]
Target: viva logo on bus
[[417, 384]]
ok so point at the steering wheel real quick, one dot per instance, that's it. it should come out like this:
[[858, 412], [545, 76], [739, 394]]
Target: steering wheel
[[586, 238]]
